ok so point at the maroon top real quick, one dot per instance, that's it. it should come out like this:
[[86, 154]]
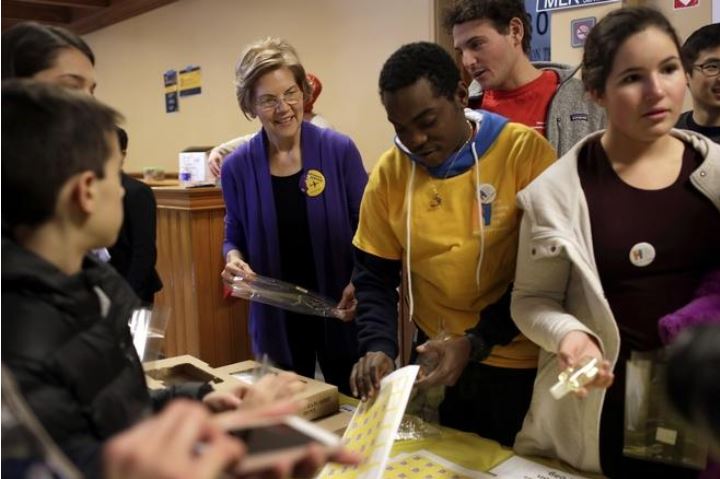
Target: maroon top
[[678, 222]]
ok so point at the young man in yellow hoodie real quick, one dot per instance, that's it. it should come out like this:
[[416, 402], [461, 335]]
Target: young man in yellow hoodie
[[442, 200]]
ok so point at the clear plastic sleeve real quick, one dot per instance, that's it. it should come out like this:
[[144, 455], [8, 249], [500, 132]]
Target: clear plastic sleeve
[[147, 328], [653, 431], [283, 295], [422, 411]]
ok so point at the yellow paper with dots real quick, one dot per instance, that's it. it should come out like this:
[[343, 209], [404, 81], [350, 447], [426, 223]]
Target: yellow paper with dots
[[372, 430], [426, 465]]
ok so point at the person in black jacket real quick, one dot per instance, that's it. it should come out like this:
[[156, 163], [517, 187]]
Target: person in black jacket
[[65, 331], [134, 254]]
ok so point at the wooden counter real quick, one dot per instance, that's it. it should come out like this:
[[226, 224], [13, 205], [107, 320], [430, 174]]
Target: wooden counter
[[190, 224]]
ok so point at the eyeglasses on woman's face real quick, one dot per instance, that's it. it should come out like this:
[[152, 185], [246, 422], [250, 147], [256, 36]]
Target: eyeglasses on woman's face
[[292, 96]]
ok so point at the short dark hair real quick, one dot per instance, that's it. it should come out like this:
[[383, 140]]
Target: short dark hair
[[122, 139], [701, 39], [29, 47], [606, 38], [49, 134], [498, 12], [418, 60]]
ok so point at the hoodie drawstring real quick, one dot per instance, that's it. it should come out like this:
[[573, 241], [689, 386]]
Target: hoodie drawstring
[[408, 235], [408, 242]]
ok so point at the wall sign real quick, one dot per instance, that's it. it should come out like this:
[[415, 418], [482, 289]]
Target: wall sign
[[551, 5], [171, 91], [190, 83], [680, 4], [579, 29], [540, 39]]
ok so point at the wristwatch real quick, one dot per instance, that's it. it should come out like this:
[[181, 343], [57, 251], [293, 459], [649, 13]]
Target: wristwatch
[[479, 350]]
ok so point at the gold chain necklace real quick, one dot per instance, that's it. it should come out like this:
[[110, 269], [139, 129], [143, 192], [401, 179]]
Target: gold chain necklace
[[436, 200]]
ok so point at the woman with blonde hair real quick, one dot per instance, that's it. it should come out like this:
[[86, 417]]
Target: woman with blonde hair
[[293, 197]]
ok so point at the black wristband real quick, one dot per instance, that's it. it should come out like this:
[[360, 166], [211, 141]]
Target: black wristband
[[479, 350]]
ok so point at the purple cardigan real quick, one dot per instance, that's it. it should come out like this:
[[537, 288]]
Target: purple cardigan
[[251, 223]]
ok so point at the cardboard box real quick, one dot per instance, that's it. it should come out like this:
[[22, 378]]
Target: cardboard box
[[337, 423], [322, 398], [181, 369]]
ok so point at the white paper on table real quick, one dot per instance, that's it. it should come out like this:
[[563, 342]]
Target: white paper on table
[[519, 468], [372, 430], [432, 466]]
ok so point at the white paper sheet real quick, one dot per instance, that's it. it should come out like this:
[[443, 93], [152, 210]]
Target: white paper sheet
[[519, 468], [372, 429]]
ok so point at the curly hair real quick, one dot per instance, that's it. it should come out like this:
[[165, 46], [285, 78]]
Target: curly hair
[[420, 60]]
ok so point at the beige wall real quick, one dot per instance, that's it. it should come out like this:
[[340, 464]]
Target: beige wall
[[343, 41], [685, 22], [561, 49]]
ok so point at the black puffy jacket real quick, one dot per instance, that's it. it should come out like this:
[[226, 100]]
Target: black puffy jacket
[[66, 340]]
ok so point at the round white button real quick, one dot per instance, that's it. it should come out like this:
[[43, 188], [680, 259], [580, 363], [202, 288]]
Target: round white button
[[642, 254]]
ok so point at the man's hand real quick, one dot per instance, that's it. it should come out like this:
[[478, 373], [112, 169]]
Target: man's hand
[[215, 159], [575, 346], [348, 304], [166, 446], [308, 465], [451, 356], [304, 465], [367, 373], [269, 388]]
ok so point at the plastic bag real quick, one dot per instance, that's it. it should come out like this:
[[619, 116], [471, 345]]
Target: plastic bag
[[422, 410], [147, 328], [283, 295], [653, 431]]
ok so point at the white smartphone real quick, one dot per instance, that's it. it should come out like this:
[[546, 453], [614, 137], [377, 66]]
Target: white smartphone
[[282, 439]]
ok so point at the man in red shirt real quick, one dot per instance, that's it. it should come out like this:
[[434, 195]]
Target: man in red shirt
[[493, 37]]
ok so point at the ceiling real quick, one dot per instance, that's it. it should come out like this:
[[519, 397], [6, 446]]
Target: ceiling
[[80, 16]]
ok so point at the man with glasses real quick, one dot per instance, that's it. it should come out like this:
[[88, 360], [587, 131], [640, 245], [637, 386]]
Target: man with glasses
[[701, 58]]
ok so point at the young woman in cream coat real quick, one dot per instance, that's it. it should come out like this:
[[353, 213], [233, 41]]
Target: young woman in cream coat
[[614, 235]]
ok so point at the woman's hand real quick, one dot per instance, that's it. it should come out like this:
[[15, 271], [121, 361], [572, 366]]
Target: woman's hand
[[577, 345], [235, 266], [348, 304]]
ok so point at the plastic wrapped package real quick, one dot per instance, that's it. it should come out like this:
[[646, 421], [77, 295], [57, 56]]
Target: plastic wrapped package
[[283, 295]]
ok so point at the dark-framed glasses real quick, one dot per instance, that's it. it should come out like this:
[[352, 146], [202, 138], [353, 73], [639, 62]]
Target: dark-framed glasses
[[269, 102], [709, 69]]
